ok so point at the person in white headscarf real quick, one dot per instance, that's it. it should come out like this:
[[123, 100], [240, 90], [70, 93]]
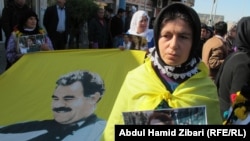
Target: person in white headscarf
[[139, 25]]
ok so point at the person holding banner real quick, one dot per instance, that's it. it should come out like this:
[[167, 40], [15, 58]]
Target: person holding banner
[[173, 76], [11, 15], [73, 105], [139, 26], [28, 26]]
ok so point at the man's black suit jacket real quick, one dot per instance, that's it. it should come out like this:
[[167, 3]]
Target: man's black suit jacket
[[55, 130], [50, 21]]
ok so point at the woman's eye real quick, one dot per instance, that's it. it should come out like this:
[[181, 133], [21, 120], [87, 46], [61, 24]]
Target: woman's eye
[[166, 36], [184, 37]]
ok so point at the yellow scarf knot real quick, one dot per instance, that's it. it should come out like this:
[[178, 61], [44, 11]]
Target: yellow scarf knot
[[166, 96]]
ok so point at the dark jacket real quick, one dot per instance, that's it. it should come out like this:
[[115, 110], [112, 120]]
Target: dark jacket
[[116, 26], [98, 32], [55, 130], [11, 16], [50, 21], [235, 71]]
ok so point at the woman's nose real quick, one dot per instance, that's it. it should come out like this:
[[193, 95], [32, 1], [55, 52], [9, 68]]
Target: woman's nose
[[173, 43]]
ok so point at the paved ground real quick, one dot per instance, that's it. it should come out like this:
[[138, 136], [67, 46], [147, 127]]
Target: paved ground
[[2, 58]]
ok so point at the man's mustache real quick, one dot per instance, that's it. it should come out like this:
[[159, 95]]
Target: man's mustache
[[62, 109]]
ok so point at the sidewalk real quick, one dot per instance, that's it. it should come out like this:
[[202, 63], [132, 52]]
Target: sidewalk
[[2, 58]]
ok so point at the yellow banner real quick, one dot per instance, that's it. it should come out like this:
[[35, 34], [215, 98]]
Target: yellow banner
[[26, 88]]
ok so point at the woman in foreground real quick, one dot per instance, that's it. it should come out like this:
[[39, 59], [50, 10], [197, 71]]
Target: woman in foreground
[[172, 76]]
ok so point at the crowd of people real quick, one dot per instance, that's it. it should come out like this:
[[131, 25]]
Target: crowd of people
[[188, 63], [226, 55], [105, 29]]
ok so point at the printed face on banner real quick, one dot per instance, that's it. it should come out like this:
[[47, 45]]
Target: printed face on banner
[[73, 104], [44, 110]]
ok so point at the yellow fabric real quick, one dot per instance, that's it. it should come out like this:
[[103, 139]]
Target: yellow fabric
[[26, 88], [143, 90]]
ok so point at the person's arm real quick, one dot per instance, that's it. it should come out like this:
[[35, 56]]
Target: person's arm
[[46, 19], [234, 75], [6, 26], [241, 75], [47, 45], [11, 51], [205, 54], [217, 58], [92, 31]]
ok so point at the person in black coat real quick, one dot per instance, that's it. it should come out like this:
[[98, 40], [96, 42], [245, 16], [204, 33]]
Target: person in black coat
[[12, 13], [235, 71], [57, 26], [117, 27], [98, 31]]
